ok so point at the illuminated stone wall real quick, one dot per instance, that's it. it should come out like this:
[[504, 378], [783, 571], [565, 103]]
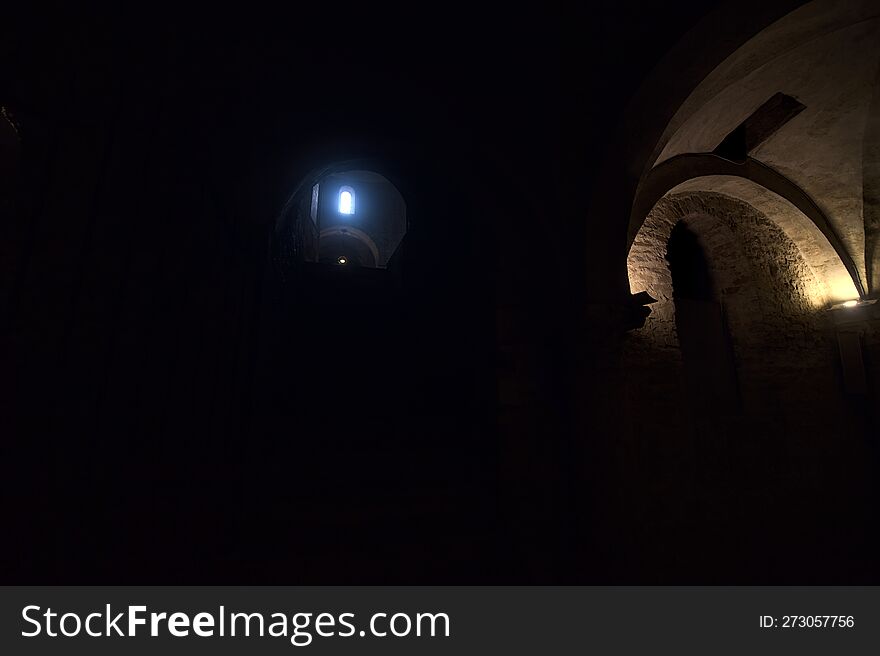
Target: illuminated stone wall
[[793, 429]]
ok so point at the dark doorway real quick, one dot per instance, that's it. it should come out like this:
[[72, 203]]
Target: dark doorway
[[706, 348]]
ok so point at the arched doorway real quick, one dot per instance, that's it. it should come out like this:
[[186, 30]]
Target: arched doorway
[[701, 326]]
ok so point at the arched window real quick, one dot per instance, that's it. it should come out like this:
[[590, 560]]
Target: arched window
[[361, 229], [346, 200]]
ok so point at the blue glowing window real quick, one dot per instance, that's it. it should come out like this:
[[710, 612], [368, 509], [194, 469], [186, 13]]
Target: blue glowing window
[[346, 200]]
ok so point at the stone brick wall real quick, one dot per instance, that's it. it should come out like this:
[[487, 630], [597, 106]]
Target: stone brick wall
[[693, 482]]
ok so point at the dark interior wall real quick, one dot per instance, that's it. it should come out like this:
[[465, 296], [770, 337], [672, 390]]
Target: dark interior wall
[[133, 358]]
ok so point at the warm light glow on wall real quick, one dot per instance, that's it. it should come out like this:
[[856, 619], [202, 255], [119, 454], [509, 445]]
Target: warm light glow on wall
[[841, 288], [854, 303]]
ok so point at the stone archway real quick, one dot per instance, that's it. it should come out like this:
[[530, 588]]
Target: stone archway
[[804, 222], [698, 478], [750, 243]]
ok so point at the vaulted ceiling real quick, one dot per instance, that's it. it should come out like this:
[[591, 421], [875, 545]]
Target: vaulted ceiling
[[826, 55]]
